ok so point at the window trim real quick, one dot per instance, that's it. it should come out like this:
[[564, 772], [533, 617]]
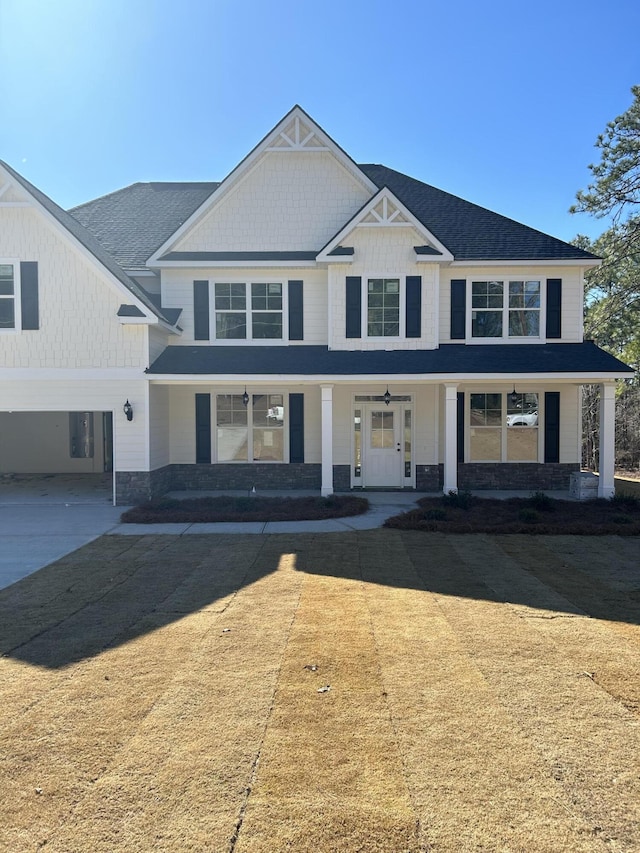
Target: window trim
[[402, 309], [285, 427], [17, 297], [248, 341], [540, 427], [505, 337]]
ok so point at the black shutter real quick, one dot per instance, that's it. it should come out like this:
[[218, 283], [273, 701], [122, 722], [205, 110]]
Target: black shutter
[[354, 306], [460, 427], [413, 306], [295, 311], [201, 310], [552, 426], [458, 309], [203, 427], [296, 427], [29, 295], [554, 307]]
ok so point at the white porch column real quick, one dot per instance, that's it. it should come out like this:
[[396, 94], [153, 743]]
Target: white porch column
[[327, 439], [606, 484], [450, 438]]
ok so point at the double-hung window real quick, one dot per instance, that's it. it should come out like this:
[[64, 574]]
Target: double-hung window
[[250, 433], [248, 311], [383, 307], [505, 309], [9, 303], [504, 427]]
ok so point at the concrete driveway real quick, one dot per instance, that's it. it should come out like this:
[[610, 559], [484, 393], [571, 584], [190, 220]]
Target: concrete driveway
[[34, 535]]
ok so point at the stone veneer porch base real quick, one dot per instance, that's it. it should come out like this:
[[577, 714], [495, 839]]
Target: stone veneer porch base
[[134, 487]]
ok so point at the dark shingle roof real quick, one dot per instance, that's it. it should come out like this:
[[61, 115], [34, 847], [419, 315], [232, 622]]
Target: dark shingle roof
[[87, 239], [133, 222], [471, 232], [452, 359]]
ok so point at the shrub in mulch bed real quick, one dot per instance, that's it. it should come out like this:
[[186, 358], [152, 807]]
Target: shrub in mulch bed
[[230, 508], [463, 513]]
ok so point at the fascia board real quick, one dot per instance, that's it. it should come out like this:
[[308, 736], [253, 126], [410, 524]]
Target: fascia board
[[380, 378], [549, 262], [66, 374], [356, 222], [244, 264], [246, 165]]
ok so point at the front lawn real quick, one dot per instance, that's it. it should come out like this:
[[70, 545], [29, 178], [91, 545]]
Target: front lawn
[[230, 508], [465, 513]]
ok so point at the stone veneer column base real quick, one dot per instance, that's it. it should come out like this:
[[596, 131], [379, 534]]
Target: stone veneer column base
[[429, 478]]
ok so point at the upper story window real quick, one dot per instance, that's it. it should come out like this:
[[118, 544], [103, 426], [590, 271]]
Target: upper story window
[[499, 311], [248, 311], [383, 307], [8, 302]]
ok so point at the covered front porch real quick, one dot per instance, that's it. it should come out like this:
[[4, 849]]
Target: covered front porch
[[373, 433]]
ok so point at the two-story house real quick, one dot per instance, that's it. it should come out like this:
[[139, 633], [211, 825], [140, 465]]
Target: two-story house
[[308, 322]]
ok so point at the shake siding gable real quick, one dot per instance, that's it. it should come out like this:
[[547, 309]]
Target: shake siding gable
[[77, 306], [269, 210]]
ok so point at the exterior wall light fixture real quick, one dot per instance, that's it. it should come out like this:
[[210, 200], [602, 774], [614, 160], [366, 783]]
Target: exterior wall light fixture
[[245, 398], [386, 397], [128, 410]]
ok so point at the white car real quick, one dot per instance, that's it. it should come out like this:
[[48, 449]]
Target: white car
[[522, 419]]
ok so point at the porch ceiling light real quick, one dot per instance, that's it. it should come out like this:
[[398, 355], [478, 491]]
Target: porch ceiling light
[[386, 397], [245, 397], [128, 410], [513, 396]]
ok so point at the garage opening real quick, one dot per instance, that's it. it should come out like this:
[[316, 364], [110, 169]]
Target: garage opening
[[63, 456]]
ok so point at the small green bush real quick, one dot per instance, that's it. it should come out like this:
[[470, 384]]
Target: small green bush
[[625, 502], [542, 502], [461, 500]]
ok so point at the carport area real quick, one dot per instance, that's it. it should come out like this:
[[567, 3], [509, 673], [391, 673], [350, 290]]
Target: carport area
[[57, 455]]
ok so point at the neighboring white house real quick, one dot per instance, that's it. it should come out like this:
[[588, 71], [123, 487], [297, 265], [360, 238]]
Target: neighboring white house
[[307, 323]]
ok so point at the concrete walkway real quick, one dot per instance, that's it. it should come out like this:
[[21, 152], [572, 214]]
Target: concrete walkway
[[37, 528]]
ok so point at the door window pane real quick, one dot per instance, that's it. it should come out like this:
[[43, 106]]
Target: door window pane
[[382, 435]]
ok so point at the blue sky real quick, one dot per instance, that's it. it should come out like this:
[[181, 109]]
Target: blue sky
[[499, 102]]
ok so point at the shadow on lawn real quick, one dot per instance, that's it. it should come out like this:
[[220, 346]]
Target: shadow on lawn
[[118, 588]]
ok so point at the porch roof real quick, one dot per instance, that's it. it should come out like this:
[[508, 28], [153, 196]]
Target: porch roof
[[456, 360]]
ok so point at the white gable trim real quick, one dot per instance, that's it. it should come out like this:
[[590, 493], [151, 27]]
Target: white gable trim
[[272, 142], [116, 286], [394, 215]]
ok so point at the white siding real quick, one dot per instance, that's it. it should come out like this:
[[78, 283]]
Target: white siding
[[572, 294], [159, 426], [90, 395], [177, 292], [158, 341], [570, 424], [289, 200], [383, 252], [78, 308]]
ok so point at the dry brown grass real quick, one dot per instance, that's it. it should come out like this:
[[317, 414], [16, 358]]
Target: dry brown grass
[[161, 694]]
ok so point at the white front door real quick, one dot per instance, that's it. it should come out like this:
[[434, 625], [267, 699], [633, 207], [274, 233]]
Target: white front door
[[382, 461]]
